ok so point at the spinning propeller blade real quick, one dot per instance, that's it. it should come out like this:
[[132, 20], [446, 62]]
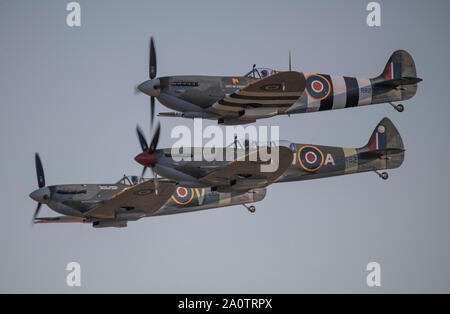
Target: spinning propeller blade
[[143, 171], [153, 144], [152, 75], [41, 183], [155, 139], [142, 139], [36, 212], [39, 171], [152, 60], [151, 86], [152, 111]]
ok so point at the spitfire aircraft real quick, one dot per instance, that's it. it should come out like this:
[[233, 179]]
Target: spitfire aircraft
[[296, 162], [264, 93], [193, 186], [130, 199]]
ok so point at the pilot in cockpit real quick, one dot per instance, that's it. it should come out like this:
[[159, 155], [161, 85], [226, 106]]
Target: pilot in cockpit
[[130, 180], [260, 73]]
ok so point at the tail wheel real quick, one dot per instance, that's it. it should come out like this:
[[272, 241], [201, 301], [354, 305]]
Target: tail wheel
[[385, 175], [400, 108]]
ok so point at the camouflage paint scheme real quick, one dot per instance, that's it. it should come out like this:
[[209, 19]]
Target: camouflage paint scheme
[[113, 205], [204, 198], [263, 93], [244, 174], [76, 201], [340, 161], [237, 173]]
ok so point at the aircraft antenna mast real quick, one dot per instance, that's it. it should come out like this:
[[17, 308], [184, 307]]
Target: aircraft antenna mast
[[290, 61]]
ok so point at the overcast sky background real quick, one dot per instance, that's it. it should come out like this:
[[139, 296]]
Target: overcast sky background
[[69, 94]]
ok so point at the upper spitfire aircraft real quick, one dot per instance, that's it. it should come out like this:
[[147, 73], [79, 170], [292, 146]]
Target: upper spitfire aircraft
[[296, 162], [263, 93]]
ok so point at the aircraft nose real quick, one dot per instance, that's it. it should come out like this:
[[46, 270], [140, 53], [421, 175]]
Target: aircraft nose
[[41, 195], [150, 87], [146, 159]]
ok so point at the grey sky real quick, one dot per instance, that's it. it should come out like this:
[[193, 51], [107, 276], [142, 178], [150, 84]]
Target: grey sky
[[69, 94]]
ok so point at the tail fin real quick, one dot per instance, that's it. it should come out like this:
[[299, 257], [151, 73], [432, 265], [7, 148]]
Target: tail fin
[[400, 64], [385, 136], [400, 71], [384, 143]]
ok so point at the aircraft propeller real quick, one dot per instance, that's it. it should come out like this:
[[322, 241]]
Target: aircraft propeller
[[39, 195], [152, 75], [151, 87], [148, 156]]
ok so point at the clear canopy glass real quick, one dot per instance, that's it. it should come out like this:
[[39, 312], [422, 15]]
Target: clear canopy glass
[[261, 72], [255, 144], [130, 180]]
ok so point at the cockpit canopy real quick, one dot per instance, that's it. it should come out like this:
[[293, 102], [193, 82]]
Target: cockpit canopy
[[130, 180], [256, 145], [260, 73]]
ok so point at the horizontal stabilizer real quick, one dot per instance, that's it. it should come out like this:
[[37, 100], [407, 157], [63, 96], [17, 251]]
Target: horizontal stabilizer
[[399, 82], [380, 153]]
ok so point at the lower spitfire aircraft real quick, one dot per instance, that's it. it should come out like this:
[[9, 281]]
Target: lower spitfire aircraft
[[133, 198], [130, 199], [297, 162], [264, 93]]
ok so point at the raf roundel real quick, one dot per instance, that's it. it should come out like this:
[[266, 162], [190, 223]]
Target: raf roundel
[[183, 195], [317, 86], [310, 158]]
